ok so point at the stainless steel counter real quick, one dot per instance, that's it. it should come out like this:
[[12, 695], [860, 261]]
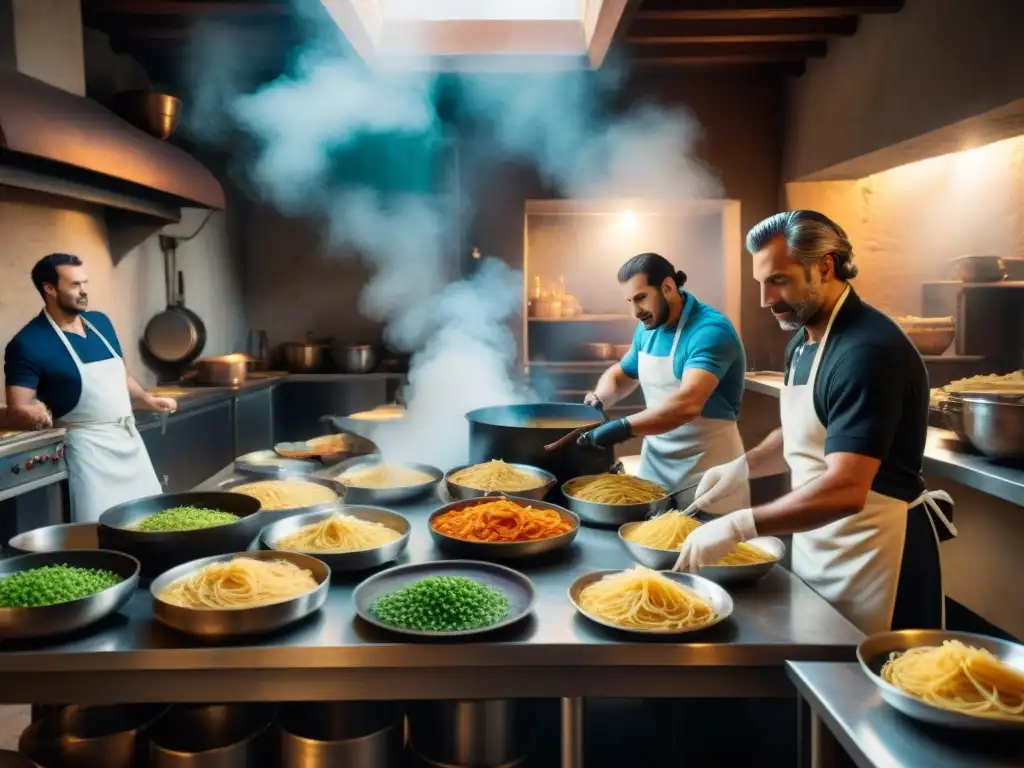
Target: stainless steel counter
[[845, 710], [190, 396], [944, 455], [333, 655]]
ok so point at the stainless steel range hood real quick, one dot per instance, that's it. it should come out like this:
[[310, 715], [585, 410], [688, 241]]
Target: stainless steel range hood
[[58, 142]]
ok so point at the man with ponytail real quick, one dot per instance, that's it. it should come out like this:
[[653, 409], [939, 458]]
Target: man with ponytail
[[688, 360]]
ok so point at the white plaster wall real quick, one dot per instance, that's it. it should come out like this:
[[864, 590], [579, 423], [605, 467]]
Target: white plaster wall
[[908, 222]]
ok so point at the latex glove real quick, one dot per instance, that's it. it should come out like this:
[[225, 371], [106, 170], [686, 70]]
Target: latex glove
[[608, 434], [718, 483], [716, 539]]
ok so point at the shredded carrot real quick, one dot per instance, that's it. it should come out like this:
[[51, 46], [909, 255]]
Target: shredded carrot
[[501, 520]]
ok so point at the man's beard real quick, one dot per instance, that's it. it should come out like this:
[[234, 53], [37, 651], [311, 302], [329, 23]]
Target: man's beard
[[659, 316], [74, 307], [798, 313]]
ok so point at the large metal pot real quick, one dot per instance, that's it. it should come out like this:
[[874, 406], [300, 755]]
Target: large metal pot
[[211, 736], [303, 356], [994, 422], [358, 358], [484, 734], [223, 371], [347, 734], [504, 432]]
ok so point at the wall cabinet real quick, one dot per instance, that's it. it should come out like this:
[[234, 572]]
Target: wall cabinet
[[194, 445], [254, 421]]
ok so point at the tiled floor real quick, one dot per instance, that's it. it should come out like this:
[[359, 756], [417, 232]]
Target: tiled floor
[[13, 720]]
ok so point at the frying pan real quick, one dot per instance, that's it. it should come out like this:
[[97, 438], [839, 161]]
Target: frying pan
[[177, 334]]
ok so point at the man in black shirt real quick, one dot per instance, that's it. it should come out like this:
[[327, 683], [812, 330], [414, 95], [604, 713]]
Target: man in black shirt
[[854, 420]]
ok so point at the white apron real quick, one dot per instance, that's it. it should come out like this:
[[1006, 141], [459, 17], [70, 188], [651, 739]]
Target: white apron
[[854, 562], [678, 458], [107, 460]]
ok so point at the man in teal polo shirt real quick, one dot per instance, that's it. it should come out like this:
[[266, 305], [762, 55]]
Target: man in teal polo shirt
[[688, 359]]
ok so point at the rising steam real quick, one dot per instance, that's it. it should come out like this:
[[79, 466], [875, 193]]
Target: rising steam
[[456, 328]]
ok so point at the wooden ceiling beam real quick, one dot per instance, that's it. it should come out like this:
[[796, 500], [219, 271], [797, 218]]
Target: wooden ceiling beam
[[674, 66], [741, 51], [763, 9], [650, 31]]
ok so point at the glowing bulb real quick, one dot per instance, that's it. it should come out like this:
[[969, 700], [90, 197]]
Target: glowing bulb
[[628, 220]]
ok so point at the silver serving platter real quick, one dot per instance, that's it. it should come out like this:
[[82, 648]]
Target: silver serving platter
[[345, 561], [503, 550], [726, 575], [268, 464], [49, 620], [874, 651], [611, 514], [353, 495], [462, 492], [517, 587], [57, 538], [719, 599], [213, 623], [268, 516]]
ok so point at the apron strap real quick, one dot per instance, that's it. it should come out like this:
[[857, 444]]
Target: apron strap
[[928, 498], [127, 423], [103, 338]]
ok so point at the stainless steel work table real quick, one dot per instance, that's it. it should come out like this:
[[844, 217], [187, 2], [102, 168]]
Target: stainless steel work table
[[333, 655], [845, 709]]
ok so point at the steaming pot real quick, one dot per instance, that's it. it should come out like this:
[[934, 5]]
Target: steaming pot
[[503, 432]]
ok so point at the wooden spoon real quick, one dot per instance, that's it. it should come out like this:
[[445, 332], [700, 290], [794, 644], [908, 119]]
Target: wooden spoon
[[569, 437]]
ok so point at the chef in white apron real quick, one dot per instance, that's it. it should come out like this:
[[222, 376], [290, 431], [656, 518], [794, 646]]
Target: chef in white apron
[[691, 390], [877, 563], [107, 460]]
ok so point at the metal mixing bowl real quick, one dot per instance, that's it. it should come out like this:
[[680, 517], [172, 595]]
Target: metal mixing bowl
[[345, 561], [665, 559], [57, 538], [159, 551], [211, 623], [268, 516], [874, 651], [457, 491], [503, 550], [353, 495], [994, 422], [48, 620], [611, 514]]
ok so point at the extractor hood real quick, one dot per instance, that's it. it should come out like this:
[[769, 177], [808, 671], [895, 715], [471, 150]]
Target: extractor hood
[[58, 142]]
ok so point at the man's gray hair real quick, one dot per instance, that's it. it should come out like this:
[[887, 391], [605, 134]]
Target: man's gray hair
[[810, 237]]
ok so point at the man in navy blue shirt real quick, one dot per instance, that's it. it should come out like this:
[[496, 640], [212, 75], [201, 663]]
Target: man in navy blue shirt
[[689, 361], [70, 360]]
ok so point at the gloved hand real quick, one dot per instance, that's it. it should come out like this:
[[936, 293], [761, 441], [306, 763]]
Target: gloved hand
[[720, 482], [716, 539], [606, 435]]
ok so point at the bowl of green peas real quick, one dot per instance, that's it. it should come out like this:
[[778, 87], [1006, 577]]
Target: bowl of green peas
[[170, 529], [55, 593]]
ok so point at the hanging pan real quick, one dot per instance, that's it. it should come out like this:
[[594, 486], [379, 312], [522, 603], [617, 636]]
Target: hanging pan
[[176, 335]]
